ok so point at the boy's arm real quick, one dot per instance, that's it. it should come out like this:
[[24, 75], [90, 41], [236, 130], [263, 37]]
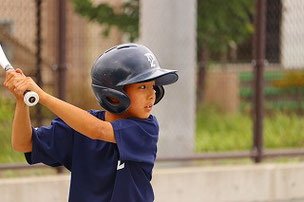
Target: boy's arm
[[78, 119], [22, 131]]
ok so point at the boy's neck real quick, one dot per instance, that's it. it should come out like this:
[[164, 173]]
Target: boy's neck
[[113, 117]]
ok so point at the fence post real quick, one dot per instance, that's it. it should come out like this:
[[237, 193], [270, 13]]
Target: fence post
[[61, 54], [258, 65], [38, 75]]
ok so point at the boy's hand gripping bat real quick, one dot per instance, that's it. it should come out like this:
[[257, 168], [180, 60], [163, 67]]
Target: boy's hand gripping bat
[[30, 98]]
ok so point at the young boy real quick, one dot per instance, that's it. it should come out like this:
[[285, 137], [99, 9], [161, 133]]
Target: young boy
[[110, 153]]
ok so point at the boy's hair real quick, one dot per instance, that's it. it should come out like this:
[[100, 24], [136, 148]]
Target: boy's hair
[[127, 64]]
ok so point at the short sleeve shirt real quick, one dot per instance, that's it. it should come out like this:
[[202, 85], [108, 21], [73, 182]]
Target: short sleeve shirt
[[101, 171]]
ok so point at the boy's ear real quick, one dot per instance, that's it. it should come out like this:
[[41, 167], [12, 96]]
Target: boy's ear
[[113, 100]]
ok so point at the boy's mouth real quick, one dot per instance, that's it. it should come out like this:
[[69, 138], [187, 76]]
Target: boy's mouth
[[149, 106]]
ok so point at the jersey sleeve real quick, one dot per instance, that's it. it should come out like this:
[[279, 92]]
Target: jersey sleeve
[[52, 145], [136, 139]]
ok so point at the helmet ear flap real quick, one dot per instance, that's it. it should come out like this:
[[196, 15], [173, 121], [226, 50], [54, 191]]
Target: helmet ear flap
[[105, 95], [159, 93]]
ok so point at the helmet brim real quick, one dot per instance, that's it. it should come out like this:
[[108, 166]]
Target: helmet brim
[[161, 77]]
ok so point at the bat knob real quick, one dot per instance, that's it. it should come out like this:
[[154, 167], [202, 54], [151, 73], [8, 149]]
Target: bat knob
[[31, 98]]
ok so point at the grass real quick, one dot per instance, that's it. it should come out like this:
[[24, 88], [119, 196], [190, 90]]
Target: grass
[[218, 132], [284, 131], [7, 107]]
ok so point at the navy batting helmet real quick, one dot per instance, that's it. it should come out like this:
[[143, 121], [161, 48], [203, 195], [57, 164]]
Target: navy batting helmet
[[127, 64]]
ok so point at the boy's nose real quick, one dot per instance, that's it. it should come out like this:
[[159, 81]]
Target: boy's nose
[[152, 94]]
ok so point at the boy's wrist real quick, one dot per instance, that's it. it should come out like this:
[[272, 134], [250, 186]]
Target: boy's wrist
[[20, 101], [43, 97]]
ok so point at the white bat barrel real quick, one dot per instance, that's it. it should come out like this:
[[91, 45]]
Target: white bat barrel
[[30, 98]]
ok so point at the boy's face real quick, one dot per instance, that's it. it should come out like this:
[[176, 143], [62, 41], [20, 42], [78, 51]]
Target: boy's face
[[142, 97]]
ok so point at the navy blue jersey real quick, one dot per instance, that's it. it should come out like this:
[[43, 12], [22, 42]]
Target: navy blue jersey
[[101, 171]]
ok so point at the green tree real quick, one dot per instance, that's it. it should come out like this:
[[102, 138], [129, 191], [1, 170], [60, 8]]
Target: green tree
[[219, 23], [125, 17]]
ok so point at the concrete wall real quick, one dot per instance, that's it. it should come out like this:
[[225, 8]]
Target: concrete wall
[[36, 189], [269, 182]]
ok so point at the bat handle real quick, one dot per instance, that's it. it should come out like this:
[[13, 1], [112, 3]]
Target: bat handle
[[8, 67], [31, 98]]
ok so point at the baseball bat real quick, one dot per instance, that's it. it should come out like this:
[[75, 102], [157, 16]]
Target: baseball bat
[[30, 98]]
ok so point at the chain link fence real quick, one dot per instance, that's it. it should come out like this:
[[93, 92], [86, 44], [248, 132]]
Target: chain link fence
[[23, 44], [18, 39], [230, 89], [225, 76], [284, 79]]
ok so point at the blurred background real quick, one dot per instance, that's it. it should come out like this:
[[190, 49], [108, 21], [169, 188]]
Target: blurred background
[[246, 100]]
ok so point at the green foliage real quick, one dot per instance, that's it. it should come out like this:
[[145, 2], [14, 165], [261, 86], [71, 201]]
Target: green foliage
[[291, 79], [232, 132], [125, 18], [268, 92], [218, 22], [221, 22], [6, 111], [222, 132], [292, 85], [285, 106], [268, 76], [284, 131], [284, 91], [6, 117]]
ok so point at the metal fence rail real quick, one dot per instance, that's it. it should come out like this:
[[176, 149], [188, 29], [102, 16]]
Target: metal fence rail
[[237, 155]]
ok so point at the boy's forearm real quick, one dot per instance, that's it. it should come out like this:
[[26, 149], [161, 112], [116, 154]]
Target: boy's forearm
[[78, 119], [22, 131]]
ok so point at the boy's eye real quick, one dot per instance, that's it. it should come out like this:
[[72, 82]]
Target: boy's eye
[[142, 87]]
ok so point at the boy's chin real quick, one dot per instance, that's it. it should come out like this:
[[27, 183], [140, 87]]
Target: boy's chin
[[145, 117]]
